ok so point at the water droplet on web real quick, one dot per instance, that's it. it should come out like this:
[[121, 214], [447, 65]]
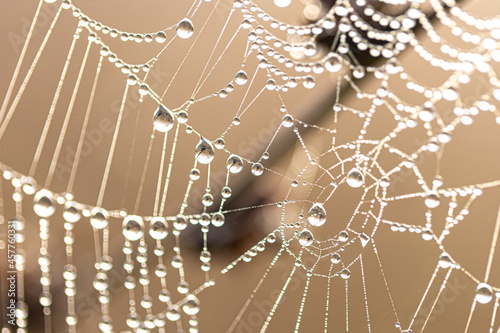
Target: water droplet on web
[[204, 152], [219, 143], [427, 235], [333, 63], [100, 282], [71, 212], [234, 164], [173, 313], [99, 218], [364, 239], [345, 273], [287, 121], [241, 78], [384, 182], [282, 3], [158, 228], [194, 174], [163, 119], [226, 192], [306, 238], [44, 203], [358, 72], [343, 236], [427, 114], [133, 227], [484, 293], [445, 260], [191, 306], [207, 200], [236, 121], [257, 169], [160, 37], [355, 178], [316, 215], [185, 28], [205, 256], [432, 200], [335, 258]]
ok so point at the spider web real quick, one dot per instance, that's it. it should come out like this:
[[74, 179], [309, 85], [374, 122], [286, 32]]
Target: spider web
[[377, 214]]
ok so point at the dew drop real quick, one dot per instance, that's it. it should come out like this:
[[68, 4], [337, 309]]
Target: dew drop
[[160, 37], [287, 121], [100, 282], [427, 114], [355, 178], [282, 3], [445, 260], [257, 169], [384, 182], [207, 200], [99, 218], [133, 227], [432, 200], [484, 293], [204, 152], [220, 143], [185, 28], [306, 238], [335, 258], [194, 174], [226, 192], [241, 78], [364, 239], [345, 273], [234, 164], [191, 306], [158, 228], [316, 215], [44, 203], [163, 119], [173, 313], [343, 236], [71, 213], [333, 63]]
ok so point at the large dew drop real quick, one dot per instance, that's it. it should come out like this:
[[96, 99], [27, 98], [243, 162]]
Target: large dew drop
[[306, 238], [282, 3], [432, 200], [99, 218], [163, 119], [355, 178], [241, 78], [185, 28], [191, 306], [364, 239], [317, 215], [234, 164], [484, 293], [71, 212], [333, 63], [204, 152], [133, 227], [158, 228], [445, 260], [44, 203]]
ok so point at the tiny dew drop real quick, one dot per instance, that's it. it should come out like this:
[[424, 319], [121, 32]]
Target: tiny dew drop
[[241, 78], [234, 164]]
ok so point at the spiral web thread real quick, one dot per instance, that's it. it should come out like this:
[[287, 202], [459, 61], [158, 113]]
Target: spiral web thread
[[374, 162]]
